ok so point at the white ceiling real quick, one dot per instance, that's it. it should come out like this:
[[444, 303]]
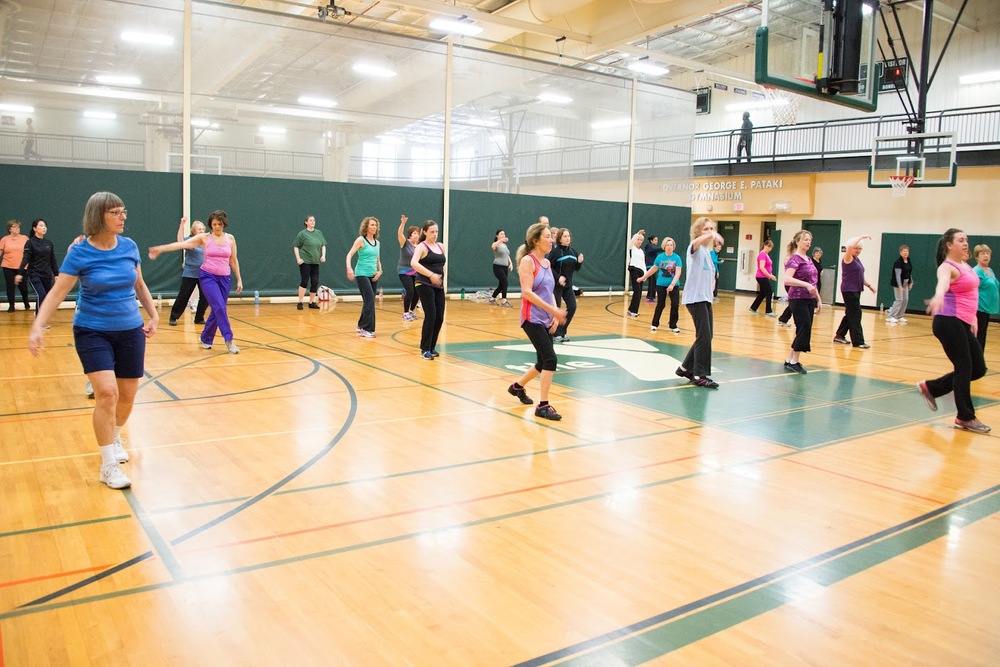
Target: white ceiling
[[258, 54]]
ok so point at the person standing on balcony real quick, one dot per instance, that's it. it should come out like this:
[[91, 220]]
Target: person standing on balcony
[[746, 138], [29, 142]]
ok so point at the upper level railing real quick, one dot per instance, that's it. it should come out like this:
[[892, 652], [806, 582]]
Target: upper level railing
[[976, 128]]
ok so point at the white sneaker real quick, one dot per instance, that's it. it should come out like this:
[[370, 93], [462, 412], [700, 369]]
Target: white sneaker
[[115, 477], [903, 320], [119, 450], [89, 390], [652, 328], [231, 346], [891, 320], [206, 346]]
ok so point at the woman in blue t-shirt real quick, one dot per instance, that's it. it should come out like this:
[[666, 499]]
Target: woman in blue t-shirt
[[667, 267], [108, 329]]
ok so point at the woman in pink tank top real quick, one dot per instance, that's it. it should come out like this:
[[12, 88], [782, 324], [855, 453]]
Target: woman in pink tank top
[[215, 278], [954, 309]]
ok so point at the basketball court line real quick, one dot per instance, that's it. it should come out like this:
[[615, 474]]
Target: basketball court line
[[668, 631]]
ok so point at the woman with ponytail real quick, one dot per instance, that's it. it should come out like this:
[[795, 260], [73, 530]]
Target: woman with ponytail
[[539, 315], [954, 309]]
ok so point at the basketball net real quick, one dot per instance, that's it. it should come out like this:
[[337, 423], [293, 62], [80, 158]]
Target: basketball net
[[783, 105], [899, 185]]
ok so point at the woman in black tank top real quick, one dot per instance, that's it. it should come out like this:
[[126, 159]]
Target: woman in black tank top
[[428, 261]]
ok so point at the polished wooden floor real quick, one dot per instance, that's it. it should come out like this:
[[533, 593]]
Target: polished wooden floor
[[321, 499]]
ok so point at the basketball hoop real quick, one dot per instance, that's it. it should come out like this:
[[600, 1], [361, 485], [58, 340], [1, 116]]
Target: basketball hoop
[[783, 105], [899, 185]]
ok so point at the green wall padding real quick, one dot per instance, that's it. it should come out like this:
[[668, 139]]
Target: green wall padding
[[58, 195], [923, 248], [662, 221], [266, 214]]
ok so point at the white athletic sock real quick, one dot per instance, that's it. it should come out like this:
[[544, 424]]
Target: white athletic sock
[[108, 455], [118, 431]]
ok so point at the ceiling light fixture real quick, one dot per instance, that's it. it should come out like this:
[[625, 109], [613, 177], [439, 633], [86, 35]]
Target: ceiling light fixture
[[643, 66], [371, 69], [979, 77], [118, 79], [554, 98], [22, 108], [147, 38], [100, 115], [545, 131], [458, 27], [323, 102]]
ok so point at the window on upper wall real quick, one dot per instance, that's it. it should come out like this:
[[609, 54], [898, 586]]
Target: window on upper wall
[[378, 160], [461, 163], [426, 163]]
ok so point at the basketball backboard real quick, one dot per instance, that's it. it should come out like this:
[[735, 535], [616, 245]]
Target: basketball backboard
[[820, 54], [930, 158]]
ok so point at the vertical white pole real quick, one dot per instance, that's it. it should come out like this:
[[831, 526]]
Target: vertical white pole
[[763, 13], [631, 166], [446, 206], [186, 115]]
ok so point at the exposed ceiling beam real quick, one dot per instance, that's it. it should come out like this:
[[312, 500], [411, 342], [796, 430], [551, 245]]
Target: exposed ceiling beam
[[692, 65], [944, 13], [490, 19]]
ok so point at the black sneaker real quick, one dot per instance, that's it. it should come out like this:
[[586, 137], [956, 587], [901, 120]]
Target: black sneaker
[[547, 412], [684, 373], [794, 368], [199, 321], [298, 306], [706, 382], [173, 323], [314, 305], [521, 395]]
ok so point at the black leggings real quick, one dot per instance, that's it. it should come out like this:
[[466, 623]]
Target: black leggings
[[500, 271], [409, 292], [803, 310], [983, 320], [699, 357], [432, 301], [309, 276], [633, 275], [661, 302], [8, 276], [763, 292], [966, 355], [542, 340], [184, 296], [567, 294], [851, 321]]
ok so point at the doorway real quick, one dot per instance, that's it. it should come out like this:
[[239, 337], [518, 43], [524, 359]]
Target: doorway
[[730, 232], [826, 235]]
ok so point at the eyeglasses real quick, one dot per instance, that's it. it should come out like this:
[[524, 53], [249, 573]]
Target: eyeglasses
[[117, 213]]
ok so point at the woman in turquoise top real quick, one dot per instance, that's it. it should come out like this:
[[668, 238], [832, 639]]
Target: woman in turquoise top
[[366, 273], [989, 291], [667, 267]]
